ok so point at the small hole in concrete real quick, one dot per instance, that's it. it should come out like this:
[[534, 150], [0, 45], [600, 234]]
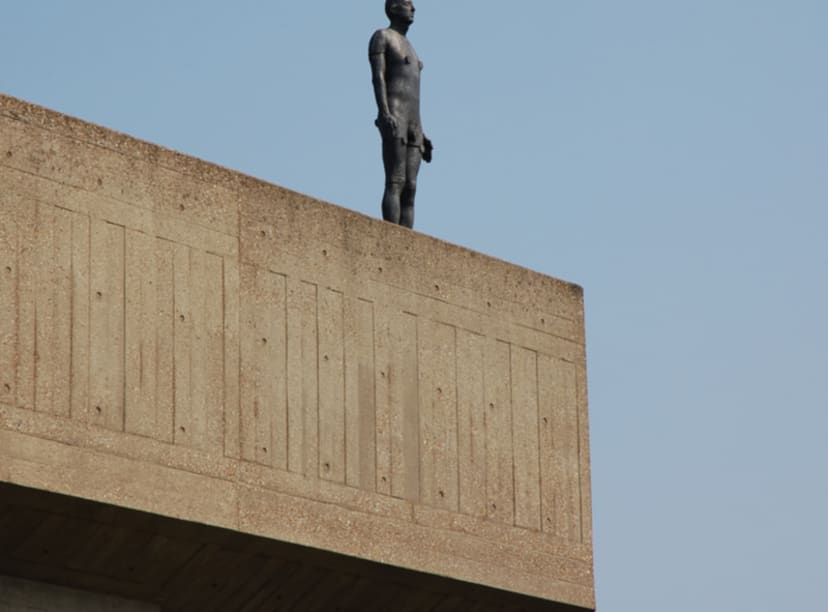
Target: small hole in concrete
[[380, 269], [327, 467], [439, 390], [437, 287], [8, 153], [489, 304], [180, 207], [182, 318], [264, 340], [264, 449], [326, 358], [100, 182], [442, 493], [7, 387], [543, 321], [264, 234], [494, 506], [384, 479], [99, 294], [491, 406], [382, 374], [325, 252], [99, 409], [8, 269], [545, 421]]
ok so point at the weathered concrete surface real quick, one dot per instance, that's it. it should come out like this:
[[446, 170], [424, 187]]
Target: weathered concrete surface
[[188, 341]]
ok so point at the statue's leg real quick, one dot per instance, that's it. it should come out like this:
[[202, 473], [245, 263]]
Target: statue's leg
[[412, 167], [394, 160]]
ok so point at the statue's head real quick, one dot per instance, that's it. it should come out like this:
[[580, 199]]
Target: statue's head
[[402, 10]]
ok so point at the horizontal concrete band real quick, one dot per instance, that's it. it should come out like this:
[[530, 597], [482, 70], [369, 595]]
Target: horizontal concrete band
[[329, 379]]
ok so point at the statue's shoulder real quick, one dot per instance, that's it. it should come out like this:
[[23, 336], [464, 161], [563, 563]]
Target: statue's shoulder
[[379, 41]]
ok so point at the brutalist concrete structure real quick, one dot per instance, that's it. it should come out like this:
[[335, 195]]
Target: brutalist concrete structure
[[218, 394]]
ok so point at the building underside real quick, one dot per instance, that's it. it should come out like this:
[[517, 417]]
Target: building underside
[[182, 566]]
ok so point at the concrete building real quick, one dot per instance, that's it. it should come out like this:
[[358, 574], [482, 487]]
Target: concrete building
[[217, 394]]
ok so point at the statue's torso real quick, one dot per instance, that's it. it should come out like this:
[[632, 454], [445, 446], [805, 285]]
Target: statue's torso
[[402, 74]]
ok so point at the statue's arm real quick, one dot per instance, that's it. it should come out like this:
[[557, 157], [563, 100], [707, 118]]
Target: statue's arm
[[377, 57]]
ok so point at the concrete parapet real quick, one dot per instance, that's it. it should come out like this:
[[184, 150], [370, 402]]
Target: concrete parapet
[[183, 340]]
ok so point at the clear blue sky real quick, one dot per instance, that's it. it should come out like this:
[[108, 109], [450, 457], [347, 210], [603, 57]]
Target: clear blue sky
[[671, 157]]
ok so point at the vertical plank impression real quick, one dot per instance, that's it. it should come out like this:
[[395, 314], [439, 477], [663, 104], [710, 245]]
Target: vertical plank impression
[[274, 384], [500, 488], [382, 392], [351, 353], [205, 429], [331, 386], [136, 417], [560, 496], [26, 292], [471, 424], [584, 534], [438, 415], [106, 358], [310, 377], [80, 317], [251, 336], [182, 346], [232, 363], [214, 309], [404, 407], [360, 413], [165, 323], [264, 340], [62, 339], [8, 301], [295, 408], [526, 438], [302, 364], [367, 400], [45, 308], [139, 417], [115, 309], [199, 346]]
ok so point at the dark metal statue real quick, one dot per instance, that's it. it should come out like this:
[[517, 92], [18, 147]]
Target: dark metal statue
[[396, 69]]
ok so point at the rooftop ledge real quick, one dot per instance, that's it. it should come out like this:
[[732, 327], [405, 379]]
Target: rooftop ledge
[[182, 340]]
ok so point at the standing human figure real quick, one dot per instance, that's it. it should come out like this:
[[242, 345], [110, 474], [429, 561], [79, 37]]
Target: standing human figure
[[395, 70]]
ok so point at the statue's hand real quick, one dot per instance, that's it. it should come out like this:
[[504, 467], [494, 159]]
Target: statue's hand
[[387, 123], [428, 148]]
